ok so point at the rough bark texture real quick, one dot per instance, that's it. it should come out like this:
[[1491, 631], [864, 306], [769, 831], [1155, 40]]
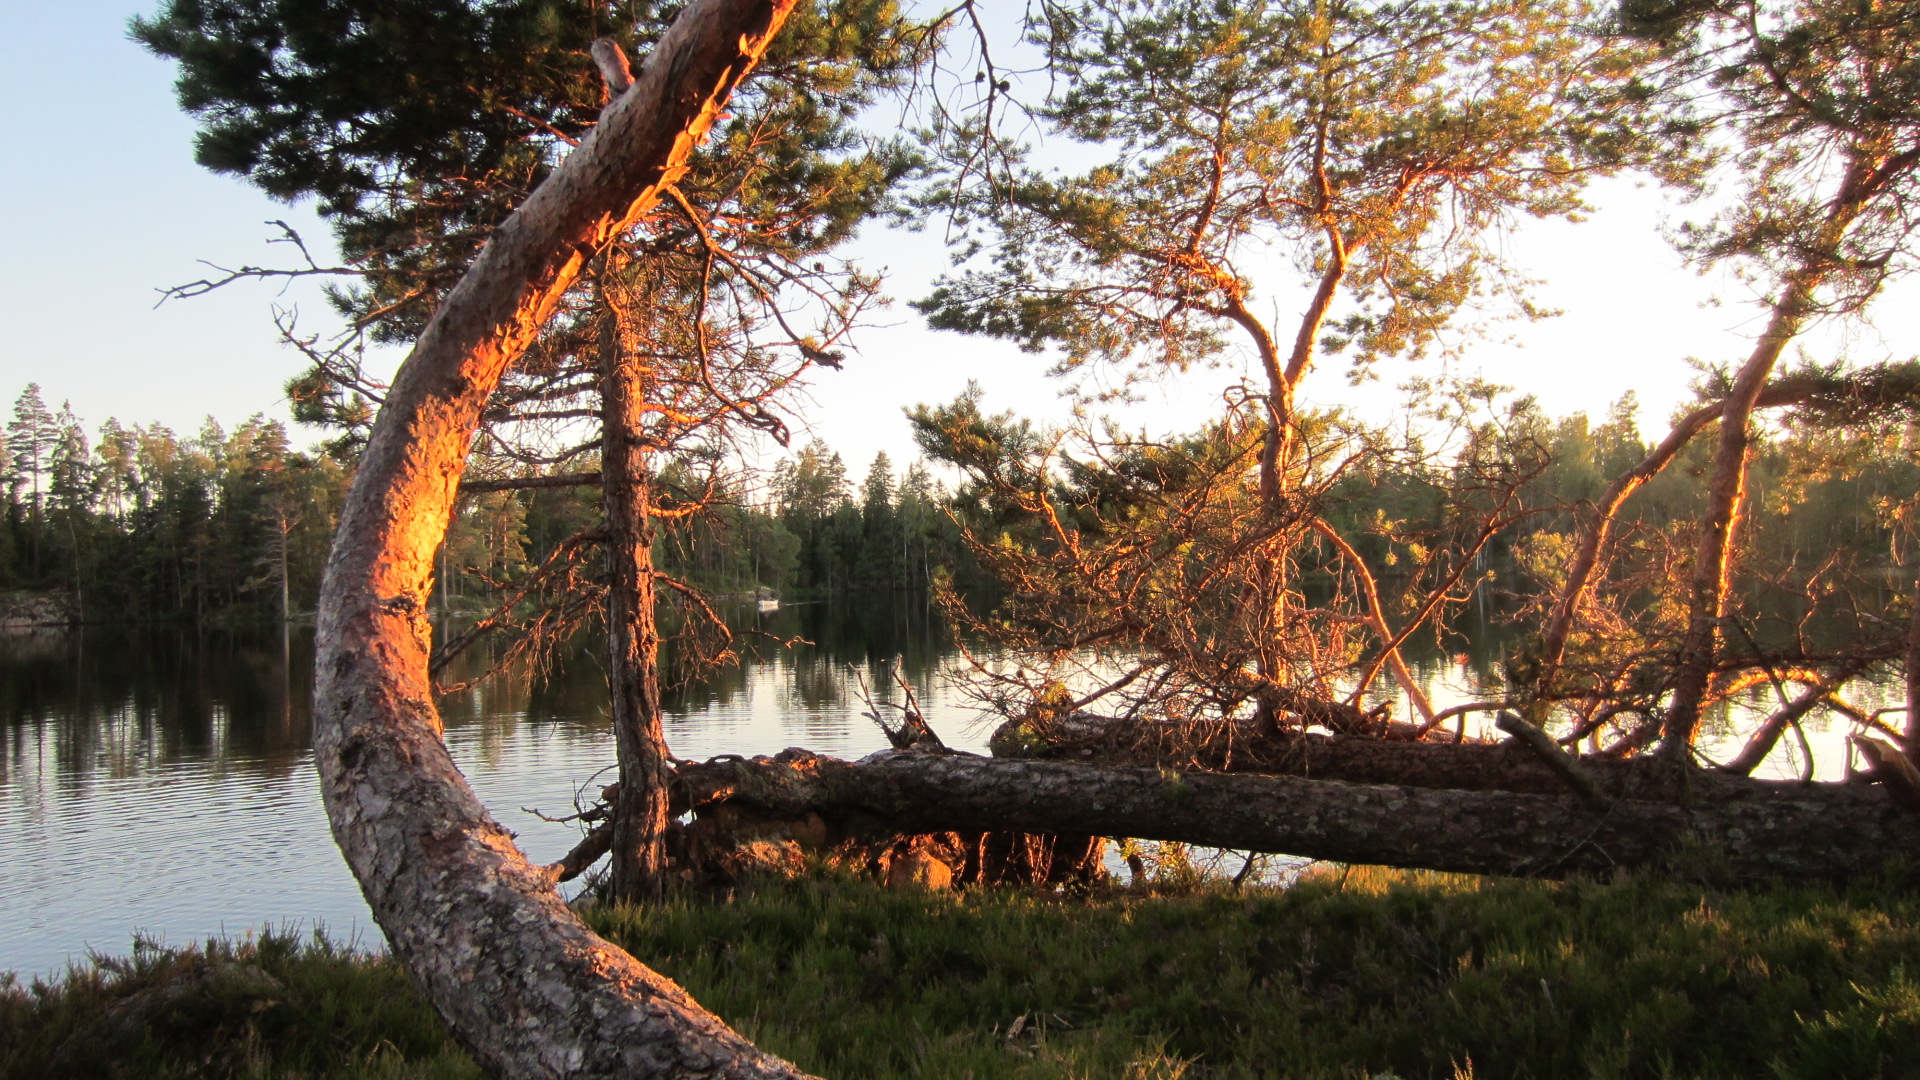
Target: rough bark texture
[[633, 636], [1912, 730], [520, 981], [1086, 738], [1713, 555], [1806, 832]]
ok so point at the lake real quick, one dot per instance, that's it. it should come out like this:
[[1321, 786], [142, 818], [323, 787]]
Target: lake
[[158, 782]]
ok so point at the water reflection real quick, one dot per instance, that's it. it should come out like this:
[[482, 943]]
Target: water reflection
[[161, 781]]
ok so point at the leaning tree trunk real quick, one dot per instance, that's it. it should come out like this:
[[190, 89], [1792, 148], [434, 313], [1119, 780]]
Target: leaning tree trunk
[[1713, 554], [1712, 560], [521, 982], [1912, 658], [639, 860], [1597, 533]]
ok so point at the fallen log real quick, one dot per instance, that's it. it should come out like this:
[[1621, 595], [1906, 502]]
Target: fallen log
[[1795, 831], [1251, 747]]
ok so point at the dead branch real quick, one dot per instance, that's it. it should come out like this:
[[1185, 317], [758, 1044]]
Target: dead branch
[[478, 486], [245, 273], [591, 849], [611, 59], [1889, 767], [1564, 765]]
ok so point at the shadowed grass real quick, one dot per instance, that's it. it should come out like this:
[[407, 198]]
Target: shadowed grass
[[1344, 974], [278, 1006]]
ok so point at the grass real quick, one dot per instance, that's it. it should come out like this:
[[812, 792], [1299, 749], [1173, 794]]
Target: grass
[[1359, 973], [277, 1006]]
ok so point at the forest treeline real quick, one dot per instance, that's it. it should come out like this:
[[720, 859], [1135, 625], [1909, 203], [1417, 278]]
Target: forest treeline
[[138, 522]]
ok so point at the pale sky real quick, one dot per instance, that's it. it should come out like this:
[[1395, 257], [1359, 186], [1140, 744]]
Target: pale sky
[[105, 206]]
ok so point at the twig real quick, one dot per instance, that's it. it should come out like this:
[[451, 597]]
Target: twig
[[596, 812], [1246, 868], [542, 125], [288, 236]]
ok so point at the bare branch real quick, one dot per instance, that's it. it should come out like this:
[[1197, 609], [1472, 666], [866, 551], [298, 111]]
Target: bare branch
[[245, 273]]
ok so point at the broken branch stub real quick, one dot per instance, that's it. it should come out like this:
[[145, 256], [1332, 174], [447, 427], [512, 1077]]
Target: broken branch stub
[[1564, 765]]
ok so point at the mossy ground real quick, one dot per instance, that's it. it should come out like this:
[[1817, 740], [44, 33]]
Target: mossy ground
[[1343, 974]]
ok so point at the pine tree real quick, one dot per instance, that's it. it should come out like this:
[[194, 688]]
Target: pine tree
[[1380, 147], [880, 559], [70, 492], [30, 442], [322, 100]]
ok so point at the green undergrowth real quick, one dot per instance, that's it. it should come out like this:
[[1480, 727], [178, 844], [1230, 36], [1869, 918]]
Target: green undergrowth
[[1360, 973], [279, 1005]]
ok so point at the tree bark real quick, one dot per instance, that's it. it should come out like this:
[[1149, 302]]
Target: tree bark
[[1594, 540], [521, 982], [1249, 747], [1802, 831], [1712, 558], [1912, 730], [633, 635]]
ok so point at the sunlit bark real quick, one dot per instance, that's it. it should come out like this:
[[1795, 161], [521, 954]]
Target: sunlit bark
[[1707, 584], [633, 635], [521, 982], [1597, 533]]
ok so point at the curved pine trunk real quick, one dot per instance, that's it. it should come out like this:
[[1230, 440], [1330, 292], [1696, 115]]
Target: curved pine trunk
[[521, 982]]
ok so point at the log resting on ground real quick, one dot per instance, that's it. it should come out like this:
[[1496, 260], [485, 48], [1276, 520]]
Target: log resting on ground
[[1252, 747], [1763, 831]]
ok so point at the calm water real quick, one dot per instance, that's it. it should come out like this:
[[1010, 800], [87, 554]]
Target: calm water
[[159, 783]]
